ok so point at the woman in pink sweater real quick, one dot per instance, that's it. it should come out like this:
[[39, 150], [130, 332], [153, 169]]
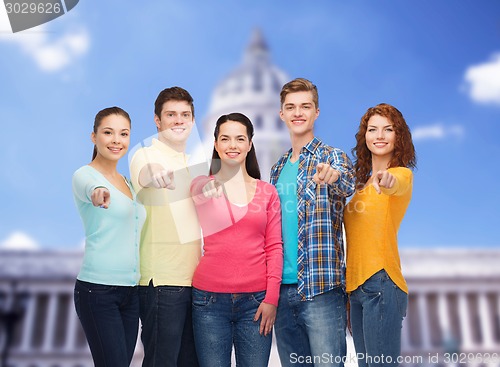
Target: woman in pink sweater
[[236, 284]]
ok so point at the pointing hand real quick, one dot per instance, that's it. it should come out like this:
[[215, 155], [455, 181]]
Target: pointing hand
[[213, 189], [101, 197], [325, 174], [163, 179], [383, 179]]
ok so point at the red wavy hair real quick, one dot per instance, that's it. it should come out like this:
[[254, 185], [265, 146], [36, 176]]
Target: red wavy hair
[[404, 151]]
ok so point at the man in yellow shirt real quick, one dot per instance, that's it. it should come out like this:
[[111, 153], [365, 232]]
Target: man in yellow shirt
[[170, 243]]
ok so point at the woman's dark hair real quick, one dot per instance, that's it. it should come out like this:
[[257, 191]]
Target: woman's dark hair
[[404, 152], [105, 113], [251, 164]]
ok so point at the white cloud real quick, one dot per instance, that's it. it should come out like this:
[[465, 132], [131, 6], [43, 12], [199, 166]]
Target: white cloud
[[50, 51], [57, 55], [483, 81], [19, 241], [4, 20], [437, 132]]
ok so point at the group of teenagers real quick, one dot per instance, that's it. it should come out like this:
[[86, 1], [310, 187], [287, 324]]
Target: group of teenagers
[[212, 259]]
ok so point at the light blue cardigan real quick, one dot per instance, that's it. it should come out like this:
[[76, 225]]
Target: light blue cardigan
[[112, 235]]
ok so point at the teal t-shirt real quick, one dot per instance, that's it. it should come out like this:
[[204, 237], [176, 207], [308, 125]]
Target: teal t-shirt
[[287, 191]]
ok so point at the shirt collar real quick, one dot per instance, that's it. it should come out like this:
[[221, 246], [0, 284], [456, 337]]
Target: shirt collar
[[313, 145], [168, 150]]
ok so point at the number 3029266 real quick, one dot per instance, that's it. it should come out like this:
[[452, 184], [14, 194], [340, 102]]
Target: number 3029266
[[33, 8]]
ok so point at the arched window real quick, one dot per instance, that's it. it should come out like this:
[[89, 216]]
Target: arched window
[[258, 122], [257, 80], [279, 124]]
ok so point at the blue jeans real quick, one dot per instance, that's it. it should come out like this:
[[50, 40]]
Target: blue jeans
[[221, 319], [110, 319], [378, 307], [311, 333], [167, 327]]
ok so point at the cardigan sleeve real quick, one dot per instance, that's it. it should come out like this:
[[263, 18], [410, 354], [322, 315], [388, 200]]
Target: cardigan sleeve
[[273, 247], [84, 184], [404, 181]]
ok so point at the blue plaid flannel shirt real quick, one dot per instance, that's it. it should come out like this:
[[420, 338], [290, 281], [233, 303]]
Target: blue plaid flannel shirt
[[321, 259]]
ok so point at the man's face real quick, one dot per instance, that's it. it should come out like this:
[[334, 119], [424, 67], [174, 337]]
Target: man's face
[[175, 122], [299, 113]]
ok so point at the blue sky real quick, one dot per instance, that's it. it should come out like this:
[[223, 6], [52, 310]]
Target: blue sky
[[437, 61]]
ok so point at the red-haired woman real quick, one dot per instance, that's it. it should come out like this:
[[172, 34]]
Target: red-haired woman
[[378, 292]]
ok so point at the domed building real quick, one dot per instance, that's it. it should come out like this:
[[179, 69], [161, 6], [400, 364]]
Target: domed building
[[253, 89]]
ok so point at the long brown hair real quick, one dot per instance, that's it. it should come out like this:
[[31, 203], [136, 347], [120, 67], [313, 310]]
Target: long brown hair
[[105, 113], [404, 152]]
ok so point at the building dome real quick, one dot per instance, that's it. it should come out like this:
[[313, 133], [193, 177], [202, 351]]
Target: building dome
[[255, 81], [253, 89]]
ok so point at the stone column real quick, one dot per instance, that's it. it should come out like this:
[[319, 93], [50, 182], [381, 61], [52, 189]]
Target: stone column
[[424, 321], [29, 323], [50, 322], [464, 317], [71, 330], [405, 333], [444, 320], [486, 321]]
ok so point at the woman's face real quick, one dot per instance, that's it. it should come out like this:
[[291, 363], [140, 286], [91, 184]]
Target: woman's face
[[380, 136], [112, 137], [232, 144]]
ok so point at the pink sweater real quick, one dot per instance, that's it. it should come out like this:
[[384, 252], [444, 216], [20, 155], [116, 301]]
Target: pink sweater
[[243, 248]]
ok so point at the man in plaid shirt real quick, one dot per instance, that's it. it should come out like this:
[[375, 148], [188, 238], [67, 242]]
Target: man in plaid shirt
[[313, 181]]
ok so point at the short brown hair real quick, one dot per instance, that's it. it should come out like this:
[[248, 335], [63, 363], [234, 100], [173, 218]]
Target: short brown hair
[[299, 85], [173, 94]]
